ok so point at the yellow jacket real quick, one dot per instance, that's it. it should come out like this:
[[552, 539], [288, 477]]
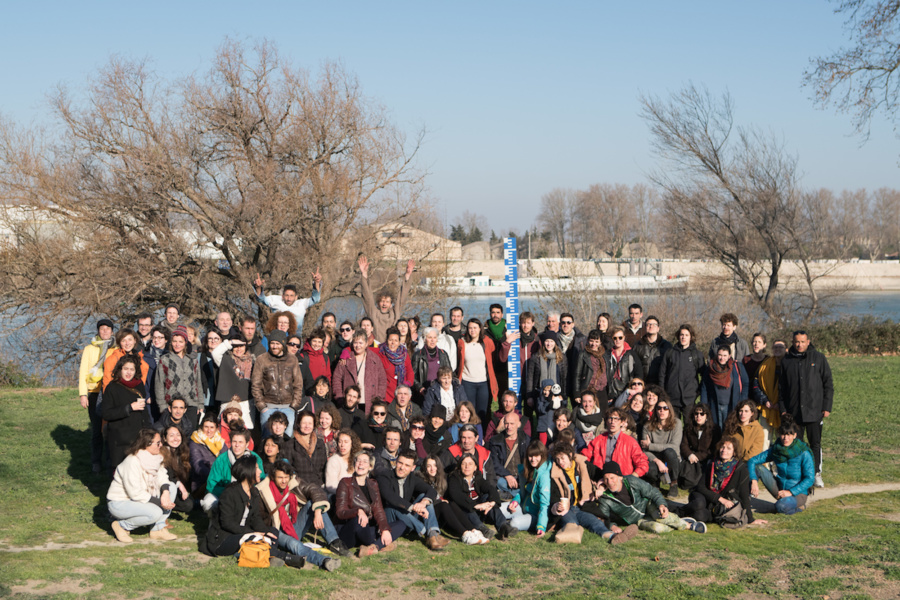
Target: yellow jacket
[[89, 383]]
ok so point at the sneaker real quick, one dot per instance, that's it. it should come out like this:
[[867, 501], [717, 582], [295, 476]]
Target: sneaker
[[466, 538], [338, 547], [506, 532], [698, 526], [369, 550], [162, 534], [274, 561], [627, 533], [819, 482], [673, 491], [122, 534], [689, 520], [481, 539], [331, 564], [293, 560]]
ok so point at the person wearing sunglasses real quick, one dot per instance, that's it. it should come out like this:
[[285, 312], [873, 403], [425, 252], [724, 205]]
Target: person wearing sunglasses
[[622, 364], [371, 430], [340, 344], [699, 438], [661, 441]]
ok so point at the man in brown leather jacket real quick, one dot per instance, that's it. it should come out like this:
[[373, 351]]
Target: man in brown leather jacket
[[276, 383]]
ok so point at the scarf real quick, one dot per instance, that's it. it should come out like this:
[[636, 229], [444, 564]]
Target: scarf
[[150, 463], [598, 379], [497, 330], [403, 417], [214, 443], [317, 364], [565, 340], [617, 372], [721, 374], [783, 454], [131, 383], [287, 511], [582, 425], [397, 358], [243, 365], [721, 473], [548, 368], [376, 427], [308, 442], [527, 338], [96, 372]]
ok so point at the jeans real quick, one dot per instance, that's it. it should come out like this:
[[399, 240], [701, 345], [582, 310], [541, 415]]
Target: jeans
[[479, 394], [719, 413], [586, 520], [305, 520], [132, 515], [519, 519], [425, 528], [506, 493], [295, 546], [270, 410], [785, 506]]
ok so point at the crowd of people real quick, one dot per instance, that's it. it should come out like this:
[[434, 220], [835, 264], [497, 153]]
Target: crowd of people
[[363, 432]]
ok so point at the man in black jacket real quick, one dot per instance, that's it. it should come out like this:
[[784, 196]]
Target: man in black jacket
[[651, 350], [806, 391], [409, 499], [507, 453]]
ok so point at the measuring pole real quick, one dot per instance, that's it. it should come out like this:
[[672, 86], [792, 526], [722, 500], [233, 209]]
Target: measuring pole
[[510, 262]]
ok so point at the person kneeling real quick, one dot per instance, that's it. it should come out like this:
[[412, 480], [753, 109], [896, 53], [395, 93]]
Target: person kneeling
[[633, 501], [238, 518], [290, 501]]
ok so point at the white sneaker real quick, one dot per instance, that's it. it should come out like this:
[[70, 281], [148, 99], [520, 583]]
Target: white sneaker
[[819, 482], [470, 538], [482, 540]]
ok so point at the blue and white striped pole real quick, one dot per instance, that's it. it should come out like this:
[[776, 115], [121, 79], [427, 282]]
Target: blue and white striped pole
[[510, 262]]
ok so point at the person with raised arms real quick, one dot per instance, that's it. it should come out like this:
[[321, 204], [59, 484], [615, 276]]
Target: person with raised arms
[[288, 301]]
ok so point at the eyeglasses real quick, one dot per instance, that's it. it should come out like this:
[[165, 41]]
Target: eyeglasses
[[346, 330], [418, 427], [613, 419], [379, 414], [159, 337], [293, 344], [567, 322], [637, 384], [665, 408], [618, 337]]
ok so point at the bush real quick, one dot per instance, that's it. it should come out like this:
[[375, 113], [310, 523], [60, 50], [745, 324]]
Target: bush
[[853, 335], [13, 375]]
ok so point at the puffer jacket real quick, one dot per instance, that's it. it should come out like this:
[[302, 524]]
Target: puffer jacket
[[351, 499], [276, 380], [536, 500], [679, 374], [796, 475]]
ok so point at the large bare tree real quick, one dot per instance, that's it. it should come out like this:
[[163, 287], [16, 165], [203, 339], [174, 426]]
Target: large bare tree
[[732, 194], [155, 191]]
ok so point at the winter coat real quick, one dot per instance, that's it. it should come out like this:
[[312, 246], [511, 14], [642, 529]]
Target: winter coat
[[220, 474], [750, 440], [276, 380], [112, 357], [130, 482], [701, 446], [494, 428], [227, 518], [627, 454], [452, 455], [375, 378], [583, 374], [304, 491], [202, 460], [124, 424], [620, 372], [420, 368], [534, 495], [393, 416], [713, 395], [381, 321], [499, 452], [737, 489], [433, 397], [651, 355], [90, 357], [679, 374], [739, 349], [796, 475], [458, 491], [806, 389], [533, 389], [350, 500], [309, 467], [165, 421], [413, 488], [610, 507]]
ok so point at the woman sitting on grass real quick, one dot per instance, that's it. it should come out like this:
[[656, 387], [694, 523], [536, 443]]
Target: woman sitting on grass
[[794, 462], [177, 463], [725, 484], [661, 443], [140, 493], [743, 425], [528, 509], [206, 444], [700, 438]]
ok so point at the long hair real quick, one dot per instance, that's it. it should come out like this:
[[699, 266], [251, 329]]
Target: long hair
[[473, 416], [439, 481], [144, 438], [355, 445], [690, 425], [177, 460], [733, 422], [535, 448], [335, 416], [122, 334], [557, 352], [656, 423], [467, 339]]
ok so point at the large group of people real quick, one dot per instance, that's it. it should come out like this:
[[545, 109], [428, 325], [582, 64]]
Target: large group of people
[[363, 432]]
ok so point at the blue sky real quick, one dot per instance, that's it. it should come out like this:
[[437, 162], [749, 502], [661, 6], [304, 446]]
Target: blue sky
[[518, 97]]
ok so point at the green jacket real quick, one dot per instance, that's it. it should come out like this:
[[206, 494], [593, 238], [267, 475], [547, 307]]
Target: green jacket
[[642, 492], [220, 473]]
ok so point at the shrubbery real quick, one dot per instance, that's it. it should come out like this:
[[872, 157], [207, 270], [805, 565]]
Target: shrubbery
[[13, 375], [853, 335]]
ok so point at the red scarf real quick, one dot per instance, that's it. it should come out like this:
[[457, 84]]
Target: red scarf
[[287, 512], [131, 383], [317, 365], [721, 375]]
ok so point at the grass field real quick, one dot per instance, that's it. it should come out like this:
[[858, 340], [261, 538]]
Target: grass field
[[848, 547]]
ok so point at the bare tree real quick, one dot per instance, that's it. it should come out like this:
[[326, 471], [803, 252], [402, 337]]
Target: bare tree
[[884, 219], [732, 193], [183, 191], [861, 79], [556, 218]]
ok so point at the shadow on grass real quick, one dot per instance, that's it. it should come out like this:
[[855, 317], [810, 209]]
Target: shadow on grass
[[78, 444]]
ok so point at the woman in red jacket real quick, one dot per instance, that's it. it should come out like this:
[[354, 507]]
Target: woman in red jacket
[[476, 369]]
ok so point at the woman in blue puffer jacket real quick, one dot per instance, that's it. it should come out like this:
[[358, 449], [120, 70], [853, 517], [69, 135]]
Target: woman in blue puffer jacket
[[528, 509], [796, 472]]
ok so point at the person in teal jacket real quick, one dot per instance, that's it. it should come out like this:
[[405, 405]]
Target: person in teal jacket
[[796, 469], [528, 509], [220, 473]]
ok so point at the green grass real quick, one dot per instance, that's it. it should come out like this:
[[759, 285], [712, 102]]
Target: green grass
[[842, 548]]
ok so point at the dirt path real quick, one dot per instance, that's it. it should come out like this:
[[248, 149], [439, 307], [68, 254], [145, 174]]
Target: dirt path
[[821, 494]]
